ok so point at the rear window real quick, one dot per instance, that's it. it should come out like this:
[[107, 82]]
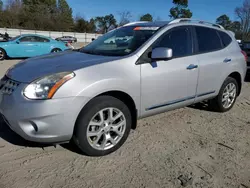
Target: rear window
[[208, 39], [225, 38]]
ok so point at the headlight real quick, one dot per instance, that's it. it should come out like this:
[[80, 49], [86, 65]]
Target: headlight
[[46, 87]]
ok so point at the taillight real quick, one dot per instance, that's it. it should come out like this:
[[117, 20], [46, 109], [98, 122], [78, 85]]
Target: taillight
[[245, 55]]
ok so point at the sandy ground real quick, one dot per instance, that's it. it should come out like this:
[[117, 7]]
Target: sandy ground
[[189, 147]]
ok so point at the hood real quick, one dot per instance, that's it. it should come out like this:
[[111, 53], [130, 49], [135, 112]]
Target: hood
[[37, 67]]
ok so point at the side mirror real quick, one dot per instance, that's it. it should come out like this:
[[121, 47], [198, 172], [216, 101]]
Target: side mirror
[[161, 54], [18, 42]]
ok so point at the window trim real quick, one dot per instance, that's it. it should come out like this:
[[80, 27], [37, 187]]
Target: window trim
[[225, 46], [197, 52], [47, 40], [191, 41], [34, 37], [20, 39]]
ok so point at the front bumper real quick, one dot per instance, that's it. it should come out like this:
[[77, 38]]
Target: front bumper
[[44, 121]]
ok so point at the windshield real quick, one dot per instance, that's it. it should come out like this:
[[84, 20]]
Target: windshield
[[14, 38], [120, 42]]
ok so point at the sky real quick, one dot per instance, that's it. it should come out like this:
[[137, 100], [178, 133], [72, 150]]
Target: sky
[[207, 10]]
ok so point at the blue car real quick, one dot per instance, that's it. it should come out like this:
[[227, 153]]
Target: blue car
[[30, 45]]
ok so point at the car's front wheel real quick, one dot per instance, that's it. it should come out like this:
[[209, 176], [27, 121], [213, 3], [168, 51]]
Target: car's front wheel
[[2, 54], [226, 97], [102, 126]]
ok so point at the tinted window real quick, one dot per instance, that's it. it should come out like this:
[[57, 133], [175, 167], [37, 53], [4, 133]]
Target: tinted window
[[225, 38], [208, 39], [27, 39], [40, 39], [179, 40]]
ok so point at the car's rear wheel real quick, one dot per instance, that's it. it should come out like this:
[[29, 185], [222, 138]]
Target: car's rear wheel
[[102, 126], [226, 97], [2, 54], [55, 50]]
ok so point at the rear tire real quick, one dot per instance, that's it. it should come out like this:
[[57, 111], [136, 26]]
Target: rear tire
[[3, 54], [226, 97], [96, 136], [55, 50]]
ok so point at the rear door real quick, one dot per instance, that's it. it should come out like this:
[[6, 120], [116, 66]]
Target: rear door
[[213, 58]]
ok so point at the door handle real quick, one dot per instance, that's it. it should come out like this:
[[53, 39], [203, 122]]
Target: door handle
[[227, 60], [192, 66]]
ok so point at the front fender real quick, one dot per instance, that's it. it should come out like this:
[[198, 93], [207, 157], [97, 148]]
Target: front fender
[[90, 91]]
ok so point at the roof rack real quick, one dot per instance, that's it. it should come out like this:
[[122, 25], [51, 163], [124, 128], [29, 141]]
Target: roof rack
[[197, 21], [131, 23]]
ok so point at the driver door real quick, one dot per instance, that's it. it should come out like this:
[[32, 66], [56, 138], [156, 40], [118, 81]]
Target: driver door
[[171, 84], [26, 46]]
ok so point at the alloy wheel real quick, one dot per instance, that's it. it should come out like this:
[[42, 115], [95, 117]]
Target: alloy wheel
[[229, 95], [106, 128]]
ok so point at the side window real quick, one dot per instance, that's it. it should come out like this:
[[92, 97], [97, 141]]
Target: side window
[[26, 39], [179, 40], [225, 38], [40, 39], [208, 40]]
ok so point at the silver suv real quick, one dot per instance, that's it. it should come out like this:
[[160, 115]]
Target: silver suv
[[95, 95]]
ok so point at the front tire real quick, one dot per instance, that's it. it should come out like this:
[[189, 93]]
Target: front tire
[[102, 126], [3, 54], [226, 97]]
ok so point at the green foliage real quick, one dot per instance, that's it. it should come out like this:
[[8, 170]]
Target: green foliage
[[234, 26], [1, 5], [147, 17], [64, 15], [106, 23], [224, 21], [81, 25], [180, 10]]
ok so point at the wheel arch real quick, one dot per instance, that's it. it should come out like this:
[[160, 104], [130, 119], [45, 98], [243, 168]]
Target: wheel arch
[[237, 77], [4, 51], [125, 98]]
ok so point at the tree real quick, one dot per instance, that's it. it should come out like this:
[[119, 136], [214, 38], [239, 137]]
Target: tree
[[66, 22], [1, 5], [105, 23], [243, 13], [40, 14], [147, 17], [224, 21], [11, 13], [235, 26], [124, 17], [81, 25], [180, 10]]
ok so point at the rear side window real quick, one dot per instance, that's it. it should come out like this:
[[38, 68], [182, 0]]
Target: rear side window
[[208, 40], [225, 38], [179, 40]]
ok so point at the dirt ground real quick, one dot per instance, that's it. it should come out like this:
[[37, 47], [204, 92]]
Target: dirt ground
[[188, 147]]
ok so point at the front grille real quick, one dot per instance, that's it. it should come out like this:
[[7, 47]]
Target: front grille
[[8, 86]]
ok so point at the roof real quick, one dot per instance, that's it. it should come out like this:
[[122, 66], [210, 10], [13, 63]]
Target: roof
[[149, 24], [24, 35], [176, 21]]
